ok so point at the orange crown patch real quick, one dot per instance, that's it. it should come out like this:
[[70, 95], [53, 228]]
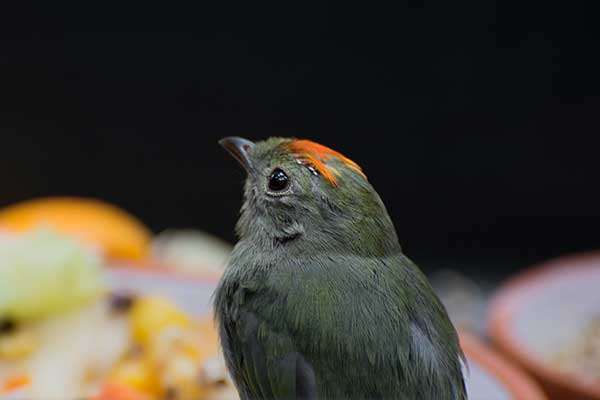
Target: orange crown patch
[[316, 155]]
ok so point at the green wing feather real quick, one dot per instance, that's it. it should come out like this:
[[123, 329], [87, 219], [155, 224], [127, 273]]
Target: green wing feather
[[349, 327]]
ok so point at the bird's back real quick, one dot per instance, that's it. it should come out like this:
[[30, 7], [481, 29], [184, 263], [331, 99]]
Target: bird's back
[[336, 327]]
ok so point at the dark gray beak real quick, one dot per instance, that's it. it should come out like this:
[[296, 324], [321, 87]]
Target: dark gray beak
[[239, 147]]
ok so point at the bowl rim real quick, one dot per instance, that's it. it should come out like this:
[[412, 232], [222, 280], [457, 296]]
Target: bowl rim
[[507, 298], [516, 381], [160, 270]]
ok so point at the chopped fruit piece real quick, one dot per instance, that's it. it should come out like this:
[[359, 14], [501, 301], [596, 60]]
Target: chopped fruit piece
[[136, 373], [191, 251], [7, 325], [44, 273], [150, 315], [175, 346], [214, 370], [121, 301], [209, 339], [116, 233], [116, 391], [17, 344], [182, 375], [15, 382]]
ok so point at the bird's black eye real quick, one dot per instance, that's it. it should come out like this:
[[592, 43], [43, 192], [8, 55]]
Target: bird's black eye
[[278, 180]]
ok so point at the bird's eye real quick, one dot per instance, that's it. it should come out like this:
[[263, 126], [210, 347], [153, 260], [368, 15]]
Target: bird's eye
[[278, 180]]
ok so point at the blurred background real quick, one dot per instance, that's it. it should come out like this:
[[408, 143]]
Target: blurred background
[[476, 122]]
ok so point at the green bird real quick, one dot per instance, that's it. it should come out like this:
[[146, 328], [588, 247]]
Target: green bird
[[318, 300]]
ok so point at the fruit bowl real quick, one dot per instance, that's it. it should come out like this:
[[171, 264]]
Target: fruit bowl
[[137, 334], [491, 377], [544, 310]]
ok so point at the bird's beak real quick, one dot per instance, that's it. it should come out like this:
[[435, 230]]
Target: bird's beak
[[238, 147]]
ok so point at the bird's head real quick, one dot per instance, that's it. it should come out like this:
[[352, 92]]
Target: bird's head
[[299, 191]]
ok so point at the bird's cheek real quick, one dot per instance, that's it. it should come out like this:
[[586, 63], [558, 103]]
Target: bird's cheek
[[286, 201]]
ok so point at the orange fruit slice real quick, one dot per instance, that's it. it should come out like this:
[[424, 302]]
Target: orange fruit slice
[[15, 382], [117, 391], [116, 233]]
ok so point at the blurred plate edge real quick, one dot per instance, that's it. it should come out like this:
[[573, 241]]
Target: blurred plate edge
[[562, 385]]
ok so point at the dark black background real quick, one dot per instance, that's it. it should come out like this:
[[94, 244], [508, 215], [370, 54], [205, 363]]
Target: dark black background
[[477, 122]]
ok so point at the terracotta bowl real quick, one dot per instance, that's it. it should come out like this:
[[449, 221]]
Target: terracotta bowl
[[491, 377], [543, 309]]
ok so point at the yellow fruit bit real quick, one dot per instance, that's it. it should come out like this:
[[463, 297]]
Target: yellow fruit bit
[[17, 344], [182, 375], [174, 340], [151, 315], [138, 374]]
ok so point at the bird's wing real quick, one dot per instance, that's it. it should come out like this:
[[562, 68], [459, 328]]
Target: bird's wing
[[392, 343], [276, 371]]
